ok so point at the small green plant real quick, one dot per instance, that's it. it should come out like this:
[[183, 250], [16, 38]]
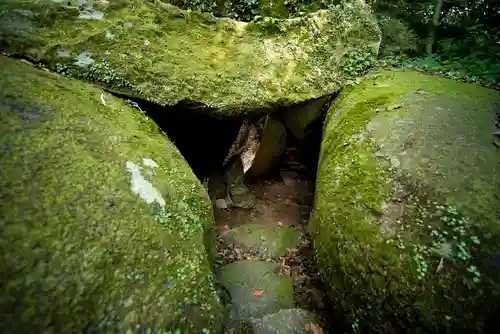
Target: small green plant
[[356, 63], [98, 72], [451, 238], [421, 252]]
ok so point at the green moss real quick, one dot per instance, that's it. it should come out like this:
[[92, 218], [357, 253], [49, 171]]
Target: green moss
[[406, 219], [157, 52], [243, 278], [80, 248], [271, 242]]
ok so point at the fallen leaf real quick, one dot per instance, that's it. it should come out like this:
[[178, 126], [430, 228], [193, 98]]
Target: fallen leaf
[[394, 106], [258, 293]]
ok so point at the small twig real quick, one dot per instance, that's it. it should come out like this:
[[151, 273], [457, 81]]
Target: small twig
[[440, 266], [102, 100]]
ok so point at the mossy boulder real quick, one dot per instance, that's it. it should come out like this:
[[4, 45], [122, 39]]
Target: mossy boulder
[[407, 221], [158, 52], [102, 220]]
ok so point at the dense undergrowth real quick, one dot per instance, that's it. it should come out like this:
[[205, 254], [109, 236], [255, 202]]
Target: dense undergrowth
[[470, 69], [466, 45]]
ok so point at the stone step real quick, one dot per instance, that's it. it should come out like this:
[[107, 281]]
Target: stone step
[[290, 321], [269, 241], [256, 289]]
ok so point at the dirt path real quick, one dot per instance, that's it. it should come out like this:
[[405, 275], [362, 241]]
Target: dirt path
[[250, 238], [285, 200]]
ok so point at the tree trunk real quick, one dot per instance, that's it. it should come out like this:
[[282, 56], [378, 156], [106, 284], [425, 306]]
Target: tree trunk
[[438, 7]]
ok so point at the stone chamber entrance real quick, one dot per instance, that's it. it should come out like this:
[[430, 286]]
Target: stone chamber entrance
[[259, 171]]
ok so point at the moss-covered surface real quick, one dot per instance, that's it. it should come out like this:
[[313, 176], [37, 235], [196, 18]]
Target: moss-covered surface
[[158, 52], [256, 289], [102, 221], [406, 223], [270, 242], [291, 321]]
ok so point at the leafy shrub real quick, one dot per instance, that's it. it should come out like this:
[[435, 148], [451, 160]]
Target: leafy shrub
[[357, 63], [397, 37], [201, 5], [485, 71], [246, 10]]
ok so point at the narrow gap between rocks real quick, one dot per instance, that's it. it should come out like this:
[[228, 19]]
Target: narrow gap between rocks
[[275, 194]]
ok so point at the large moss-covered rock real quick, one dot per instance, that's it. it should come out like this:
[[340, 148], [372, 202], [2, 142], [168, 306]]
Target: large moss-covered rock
[[407, 219], [158, 52], [101, 219]]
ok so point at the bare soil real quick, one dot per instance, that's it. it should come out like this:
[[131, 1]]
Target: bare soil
[[285, 200]]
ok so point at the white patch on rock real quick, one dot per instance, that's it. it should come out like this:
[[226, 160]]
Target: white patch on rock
[[63, 53], [102, 100], [149, 162], [84, 59], [109, 35], [395, 162], [25, 12], [142, 187], [89, 14]]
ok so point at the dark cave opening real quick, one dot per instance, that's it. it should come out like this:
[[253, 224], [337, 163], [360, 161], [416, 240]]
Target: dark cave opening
[[204, 137], [306, 151]]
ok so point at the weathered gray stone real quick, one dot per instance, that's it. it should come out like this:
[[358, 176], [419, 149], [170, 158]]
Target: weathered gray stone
[[241, 196], [292, 321], [300, 116], [271, 148]]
